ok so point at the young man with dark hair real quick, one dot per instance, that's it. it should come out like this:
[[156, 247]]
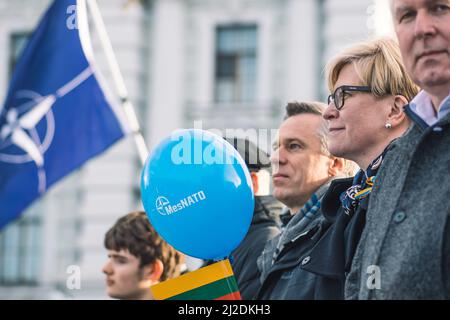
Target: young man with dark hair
[[138, 258]]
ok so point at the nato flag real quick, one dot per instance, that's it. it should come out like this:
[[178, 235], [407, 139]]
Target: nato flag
[[56, 115]]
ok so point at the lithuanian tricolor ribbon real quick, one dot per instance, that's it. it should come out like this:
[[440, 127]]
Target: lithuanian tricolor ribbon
[[214, 282]]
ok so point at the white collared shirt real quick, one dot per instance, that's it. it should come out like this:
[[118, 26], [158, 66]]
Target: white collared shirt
[[422, 106]]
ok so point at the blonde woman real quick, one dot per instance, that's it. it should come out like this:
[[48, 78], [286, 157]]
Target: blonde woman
[[369, 88]]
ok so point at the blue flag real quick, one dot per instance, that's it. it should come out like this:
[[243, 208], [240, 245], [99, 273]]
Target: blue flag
[[56, 115]]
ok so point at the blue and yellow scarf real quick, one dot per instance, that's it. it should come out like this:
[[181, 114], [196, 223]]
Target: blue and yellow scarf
[[361, 186]]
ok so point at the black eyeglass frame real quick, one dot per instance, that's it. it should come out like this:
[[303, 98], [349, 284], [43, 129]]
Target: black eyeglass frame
[[344, 89]]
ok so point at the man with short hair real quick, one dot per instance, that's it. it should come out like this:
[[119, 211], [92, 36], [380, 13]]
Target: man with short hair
[[301, 160], [138, 258], [404, 251], [302, 170]]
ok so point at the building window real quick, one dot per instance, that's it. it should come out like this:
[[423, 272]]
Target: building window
[[20, 241], [236, 61], [20, 249], [17, 44]]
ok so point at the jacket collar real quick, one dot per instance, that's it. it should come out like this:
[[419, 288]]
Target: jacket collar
[[295, 227], [267, 208], [415, 117], [331, 202], [333, 254]]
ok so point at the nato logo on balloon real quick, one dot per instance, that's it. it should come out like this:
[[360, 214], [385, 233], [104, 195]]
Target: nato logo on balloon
[[197, 192]]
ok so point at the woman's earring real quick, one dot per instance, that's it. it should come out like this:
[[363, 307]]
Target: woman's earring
[[388, 125]]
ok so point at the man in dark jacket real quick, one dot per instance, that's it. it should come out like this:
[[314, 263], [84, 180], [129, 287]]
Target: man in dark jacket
[[265, 223], [302, 171], [404, 252]]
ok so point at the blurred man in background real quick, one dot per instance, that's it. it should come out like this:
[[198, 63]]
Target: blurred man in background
[[265, 223]]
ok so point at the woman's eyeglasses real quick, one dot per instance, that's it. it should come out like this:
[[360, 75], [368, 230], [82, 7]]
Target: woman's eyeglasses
[[339, 94]]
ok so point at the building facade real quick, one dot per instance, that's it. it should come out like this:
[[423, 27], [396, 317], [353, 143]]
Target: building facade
[[219, 64]]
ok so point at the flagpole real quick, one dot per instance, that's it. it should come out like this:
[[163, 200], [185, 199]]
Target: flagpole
[[118, 80]]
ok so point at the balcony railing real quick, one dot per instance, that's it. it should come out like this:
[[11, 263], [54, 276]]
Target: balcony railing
[[234, 115]]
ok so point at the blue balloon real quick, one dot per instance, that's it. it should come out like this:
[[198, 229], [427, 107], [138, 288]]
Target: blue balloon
[[198, 194]]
